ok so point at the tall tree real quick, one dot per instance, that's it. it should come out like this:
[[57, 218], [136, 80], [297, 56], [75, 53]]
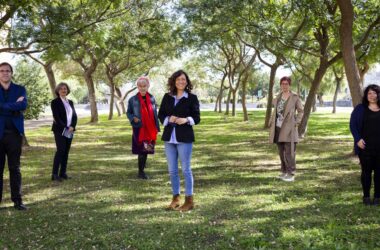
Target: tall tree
[[348, 50], [137, 45]]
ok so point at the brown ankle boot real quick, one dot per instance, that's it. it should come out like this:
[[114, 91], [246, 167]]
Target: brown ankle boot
[[188, 205], [175, 203]]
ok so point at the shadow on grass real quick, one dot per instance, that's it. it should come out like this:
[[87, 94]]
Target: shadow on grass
[[240, 204]]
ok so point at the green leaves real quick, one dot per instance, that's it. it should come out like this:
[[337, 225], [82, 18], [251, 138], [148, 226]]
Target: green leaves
[[30, 76]]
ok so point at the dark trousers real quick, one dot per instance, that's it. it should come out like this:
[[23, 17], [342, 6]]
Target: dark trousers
[[10, 146], [62, 154], [142, 162], [370, 161]]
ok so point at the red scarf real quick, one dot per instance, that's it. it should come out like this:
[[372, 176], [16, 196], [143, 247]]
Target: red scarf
[[148, 131]]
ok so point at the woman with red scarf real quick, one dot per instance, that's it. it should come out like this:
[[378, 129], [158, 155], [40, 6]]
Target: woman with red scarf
[[142, 113]]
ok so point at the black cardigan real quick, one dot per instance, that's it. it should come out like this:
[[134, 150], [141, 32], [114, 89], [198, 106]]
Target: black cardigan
[[59, 115], [185, 107]]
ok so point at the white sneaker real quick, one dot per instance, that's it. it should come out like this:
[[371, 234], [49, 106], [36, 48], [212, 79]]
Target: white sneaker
[[281, 176], [288, 177]]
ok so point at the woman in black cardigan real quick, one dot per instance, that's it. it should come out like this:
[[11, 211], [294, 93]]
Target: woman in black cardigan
[[65, 120], [364, 126], [179, 111]]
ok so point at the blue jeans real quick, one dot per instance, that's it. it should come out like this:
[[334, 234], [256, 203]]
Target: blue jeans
[[182, 151]]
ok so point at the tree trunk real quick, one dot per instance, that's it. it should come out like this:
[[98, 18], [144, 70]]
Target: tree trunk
[[233, 113], [87, 73], [315, 105], [338, 80], [228, 102], [121, 107], [118, 109], [91, 97], [112, 100], [220, 96], [51, 78], [320, 100], [311, 96], [337, 89], [348, 51], [268, 113], [216, 103], [220, 104], [243, 98], [362, 71]]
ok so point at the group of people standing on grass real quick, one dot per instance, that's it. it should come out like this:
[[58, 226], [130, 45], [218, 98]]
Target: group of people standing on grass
[[178, 113]]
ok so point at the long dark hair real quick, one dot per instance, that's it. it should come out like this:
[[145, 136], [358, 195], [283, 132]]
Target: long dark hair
[[171, 82], [372, 87]]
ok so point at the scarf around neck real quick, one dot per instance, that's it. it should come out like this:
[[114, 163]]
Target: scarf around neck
[[148, 131]]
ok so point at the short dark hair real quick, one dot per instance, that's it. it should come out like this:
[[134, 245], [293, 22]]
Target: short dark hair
[[286, 78], [6, 64], [372, 87], [171, 82], [59, 86]]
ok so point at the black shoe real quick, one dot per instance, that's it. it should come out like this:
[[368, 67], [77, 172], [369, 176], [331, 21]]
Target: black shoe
[[55, 177], [376, 201], [19, 206], [65, 177], [143, 176], [366, 201]]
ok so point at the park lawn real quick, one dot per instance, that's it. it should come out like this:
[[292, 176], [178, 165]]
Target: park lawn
[[240, 204]]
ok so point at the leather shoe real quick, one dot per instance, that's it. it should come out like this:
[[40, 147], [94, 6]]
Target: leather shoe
[[143, 176], [366, 201], [20, 206], [376, 201], [55, 177], [65, 177]]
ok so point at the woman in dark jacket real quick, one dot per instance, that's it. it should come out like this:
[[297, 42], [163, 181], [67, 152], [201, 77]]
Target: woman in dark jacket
[[179, 111], [142, 113], [65, 120], [364, 126]]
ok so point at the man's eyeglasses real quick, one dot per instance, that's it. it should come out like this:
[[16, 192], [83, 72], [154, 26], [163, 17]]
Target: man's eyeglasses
[[5, 71]]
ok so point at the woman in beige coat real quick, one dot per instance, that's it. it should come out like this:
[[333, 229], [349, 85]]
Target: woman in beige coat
[[287, 115]]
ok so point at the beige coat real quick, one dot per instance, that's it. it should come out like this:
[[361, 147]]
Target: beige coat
[[289, 131]]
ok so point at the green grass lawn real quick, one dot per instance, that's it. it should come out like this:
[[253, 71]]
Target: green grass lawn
[[240, 204]]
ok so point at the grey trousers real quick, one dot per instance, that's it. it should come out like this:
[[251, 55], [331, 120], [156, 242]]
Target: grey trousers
[[288, 162]]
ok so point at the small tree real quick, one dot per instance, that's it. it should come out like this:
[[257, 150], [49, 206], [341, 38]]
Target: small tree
[[29, 75]]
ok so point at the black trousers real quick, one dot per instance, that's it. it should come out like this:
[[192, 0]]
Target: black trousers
[[10, 147], [370, 161], [142, 162], [62, 154]]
